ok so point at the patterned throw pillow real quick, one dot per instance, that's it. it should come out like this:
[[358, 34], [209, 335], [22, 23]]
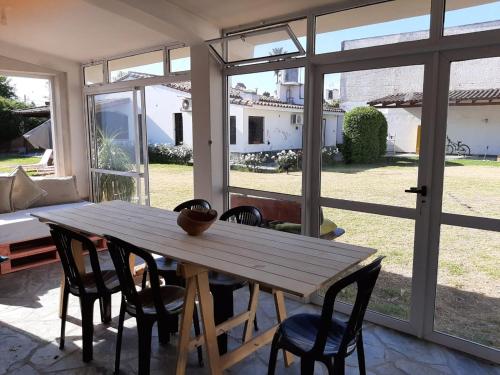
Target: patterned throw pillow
[[25, 191], [6, 183]]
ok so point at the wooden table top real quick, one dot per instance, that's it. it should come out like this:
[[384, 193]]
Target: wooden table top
[[293, 263]]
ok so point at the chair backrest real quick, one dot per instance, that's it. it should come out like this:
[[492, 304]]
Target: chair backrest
[[193, 203], [120, 254], [63, 239], [247, 215], [365, 278]]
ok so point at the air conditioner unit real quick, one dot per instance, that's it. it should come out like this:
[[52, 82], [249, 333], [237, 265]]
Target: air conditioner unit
[[186, 105], [297, 119]]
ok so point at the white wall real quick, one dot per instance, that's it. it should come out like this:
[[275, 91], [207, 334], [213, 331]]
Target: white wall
[[69, 132], [162, 103]]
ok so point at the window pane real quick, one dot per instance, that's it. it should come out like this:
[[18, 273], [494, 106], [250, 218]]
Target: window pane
[[392, 237], [180, 59], [93, 74], [256, 44], [370, 152], [468, 16], [170, 143], [472, 170], [386, 23], [135, 67], [108, 187], [468, 290], [268, 115]]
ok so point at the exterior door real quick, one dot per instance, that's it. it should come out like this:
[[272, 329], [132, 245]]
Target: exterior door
[[117, 140], [372, 183]]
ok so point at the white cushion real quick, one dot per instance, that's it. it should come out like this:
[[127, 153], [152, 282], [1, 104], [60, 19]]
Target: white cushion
[[21, 226], [59, 190], [6, 183], [25, 191]]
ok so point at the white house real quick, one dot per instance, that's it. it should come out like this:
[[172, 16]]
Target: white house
[[474, 111], [257, 123]]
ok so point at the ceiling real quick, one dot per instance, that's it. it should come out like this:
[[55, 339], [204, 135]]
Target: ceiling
[[84, 30]]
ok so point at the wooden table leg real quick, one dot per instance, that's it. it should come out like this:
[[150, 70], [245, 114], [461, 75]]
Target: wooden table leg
[[252, 308], [279, 301], [207, 317], [185, 326]]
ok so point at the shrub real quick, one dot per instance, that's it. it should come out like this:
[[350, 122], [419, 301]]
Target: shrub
[[168, 154], [328, 154], [287, 160], [254, 160], [365, 134]]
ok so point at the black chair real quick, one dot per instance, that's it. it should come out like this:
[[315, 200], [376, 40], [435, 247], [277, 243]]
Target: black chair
[[324, 338], [154, 304], [98, 284], [222, 286], [167, 268]]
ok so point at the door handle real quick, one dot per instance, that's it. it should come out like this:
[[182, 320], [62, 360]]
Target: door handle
[[415, 190]]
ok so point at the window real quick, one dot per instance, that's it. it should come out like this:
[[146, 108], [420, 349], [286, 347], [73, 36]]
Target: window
[[374, 25], [232, 130], [179, 131], [93, 74], [179, 59], [139, 66], [470, 16], [255, 130]]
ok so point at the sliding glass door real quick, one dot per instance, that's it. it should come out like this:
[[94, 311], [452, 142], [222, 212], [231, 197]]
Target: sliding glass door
[[117, 146]]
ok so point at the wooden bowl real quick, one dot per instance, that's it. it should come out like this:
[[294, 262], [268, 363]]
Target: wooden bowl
[[196, 221]]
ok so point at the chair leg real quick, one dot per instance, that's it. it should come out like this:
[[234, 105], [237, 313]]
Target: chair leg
[[306, 366], [144, 278], [361, 354], [105, 306], [223, 310], [339, 366], [87, 308], [64, 314], [119, 337], [197, 332], [255, 325], [144, 329], [164, 326], [273, 356]]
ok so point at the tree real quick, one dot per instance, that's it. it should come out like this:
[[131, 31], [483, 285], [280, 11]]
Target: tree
[[277, 51], [365, 134], [6, 88]]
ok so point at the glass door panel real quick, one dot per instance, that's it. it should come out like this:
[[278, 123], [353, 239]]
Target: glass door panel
[[468, 283], [370, 138], [116, 136]]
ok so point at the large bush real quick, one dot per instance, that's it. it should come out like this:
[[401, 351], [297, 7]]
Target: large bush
[[11, 124], [365, 134], [168, 154]]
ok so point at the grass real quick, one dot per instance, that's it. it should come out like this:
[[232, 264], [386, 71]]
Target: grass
[[8, 163], [469, 264]]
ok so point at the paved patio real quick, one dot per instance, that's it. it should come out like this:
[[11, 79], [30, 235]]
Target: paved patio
[[29, 333]]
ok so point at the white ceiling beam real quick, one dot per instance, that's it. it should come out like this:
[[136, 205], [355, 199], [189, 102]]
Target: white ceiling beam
[[164, 17]]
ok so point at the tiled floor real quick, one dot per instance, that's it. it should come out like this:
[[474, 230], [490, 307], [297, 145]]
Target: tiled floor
[[29, 333]]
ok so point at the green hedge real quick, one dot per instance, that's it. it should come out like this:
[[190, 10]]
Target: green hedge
[[365, 135], [169, 154]]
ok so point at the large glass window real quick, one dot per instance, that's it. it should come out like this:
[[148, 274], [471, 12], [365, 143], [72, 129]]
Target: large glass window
[[179, 59], [137, 66], [385, 23], [468, 16], [267, 109], [93, 74]]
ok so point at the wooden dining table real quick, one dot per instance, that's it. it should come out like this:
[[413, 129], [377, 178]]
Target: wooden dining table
[[278, 262]]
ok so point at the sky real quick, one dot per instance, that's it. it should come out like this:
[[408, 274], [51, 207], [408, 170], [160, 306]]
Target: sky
[[37, 90]]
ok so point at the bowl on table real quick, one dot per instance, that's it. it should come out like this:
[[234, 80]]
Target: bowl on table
[[197, 220]]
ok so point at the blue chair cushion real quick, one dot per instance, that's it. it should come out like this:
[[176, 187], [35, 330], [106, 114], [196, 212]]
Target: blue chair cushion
[[301, 330]]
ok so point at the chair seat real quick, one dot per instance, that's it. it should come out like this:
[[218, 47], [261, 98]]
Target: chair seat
[[110, 281], [301, 330], [217, 279], [172, 297]]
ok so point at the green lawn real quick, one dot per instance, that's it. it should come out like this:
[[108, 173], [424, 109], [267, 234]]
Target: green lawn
[[469, 266], [8, 163]]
